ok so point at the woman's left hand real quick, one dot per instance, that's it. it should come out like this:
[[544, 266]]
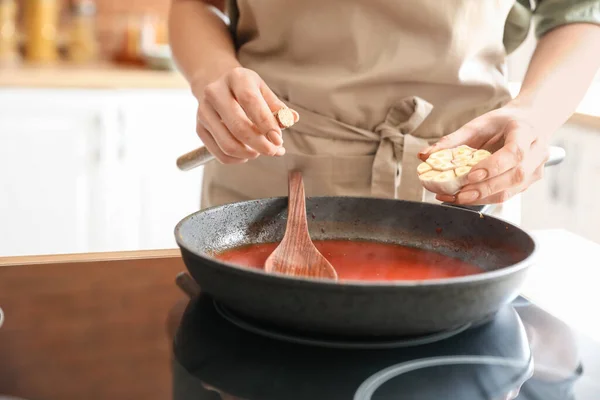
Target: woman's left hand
[[520, 149]]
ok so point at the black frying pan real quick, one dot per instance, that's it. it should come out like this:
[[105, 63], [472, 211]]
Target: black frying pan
[[358, 308]]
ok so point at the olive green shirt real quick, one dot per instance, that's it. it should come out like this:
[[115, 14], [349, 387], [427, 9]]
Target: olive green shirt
[[546, 15]]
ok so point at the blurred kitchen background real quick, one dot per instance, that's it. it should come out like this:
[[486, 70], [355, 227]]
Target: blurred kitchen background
[[93, 115]]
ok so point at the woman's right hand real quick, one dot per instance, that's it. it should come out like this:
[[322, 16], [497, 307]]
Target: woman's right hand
[[235, 118]]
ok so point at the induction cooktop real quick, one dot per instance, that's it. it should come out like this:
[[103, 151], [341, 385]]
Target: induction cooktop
[[521, 353]]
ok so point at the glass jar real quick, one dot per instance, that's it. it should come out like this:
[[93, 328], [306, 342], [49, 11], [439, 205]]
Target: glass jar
[[8, 32], [137, 33], [83, 45], [41, 23]]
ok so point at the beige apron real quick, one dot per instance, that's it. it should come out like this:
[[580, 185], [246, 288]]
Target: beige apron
[[374, 82]]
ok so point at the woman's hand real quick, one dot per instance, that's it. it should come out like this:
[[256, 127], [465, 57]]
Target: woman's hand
[[235, 117], [519, 147]]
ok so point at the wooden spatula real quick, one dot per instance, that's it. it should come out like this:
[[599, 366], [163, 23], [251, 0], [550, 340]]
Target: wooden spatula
[[296, 254]]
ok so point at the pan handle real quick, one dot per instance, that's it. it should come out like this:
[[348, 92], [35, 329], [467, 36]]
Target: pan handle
[[187, 284], [557, 155], [194, 158]]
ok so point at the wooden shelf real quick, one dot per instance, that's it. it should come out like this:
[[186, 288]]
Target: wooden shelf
[[97, 76], [110, 76]]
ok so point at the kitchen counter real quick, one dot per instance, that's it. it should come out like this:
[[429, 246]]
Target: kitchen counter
[[88, 326], [564, 280], [95, 76], [98, 325]]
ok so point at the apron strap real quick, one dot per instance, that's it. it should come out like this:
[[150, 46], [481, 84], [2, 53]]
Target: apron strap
[[398, 143]]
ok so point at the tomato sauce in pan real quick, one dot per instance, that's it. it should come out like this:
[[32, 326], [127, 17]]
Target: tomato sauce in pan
[[367, 261]]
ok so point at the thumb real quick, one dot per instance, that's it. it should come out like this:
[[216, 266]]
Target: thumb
[[454, 139], [273, 101], [270, 97], [296, 115]]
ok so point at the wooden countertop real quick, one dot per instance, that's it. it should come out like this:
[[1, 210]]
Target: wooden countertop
[[89, 326], [100, 325], [97, 76], [52, 259]]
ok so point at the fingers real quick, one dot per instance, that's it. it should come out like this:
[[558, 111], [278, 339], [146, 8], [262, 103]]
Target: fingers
[[496, 198], [504, 196], [499, 198], [296, 116], [214, 148], [271, 98], [273, 101], [235, 119], [521, 173], [446, 198], [485, 131], [472, 194], [246, 90], [516, 146], [227, 143], [505, 186], [238, 100], [509, 170]]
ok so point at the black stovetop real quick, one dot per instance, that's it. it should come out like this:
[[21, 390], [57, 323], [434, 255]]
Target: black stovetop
[[522, 353]]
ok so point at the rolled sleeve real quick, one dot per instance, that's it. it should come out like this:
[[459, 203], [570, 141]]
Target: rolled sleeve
[[550, 14]]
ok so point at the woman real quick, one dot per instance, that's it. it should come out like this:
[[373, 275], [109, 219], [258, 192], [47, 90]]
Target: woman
[[375, 83]]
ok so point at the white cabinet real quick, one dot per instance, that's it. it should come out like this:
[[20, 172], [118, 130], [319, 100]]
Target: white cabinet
[[50, 172], [568, 195], [159, 126], [84, 171]]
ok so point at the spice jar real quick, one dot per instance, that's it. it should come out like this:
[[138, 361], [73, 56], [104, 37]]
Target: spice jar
[[129, 48], [8, 32], [41, 22], [138, 35], [83, 46]]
